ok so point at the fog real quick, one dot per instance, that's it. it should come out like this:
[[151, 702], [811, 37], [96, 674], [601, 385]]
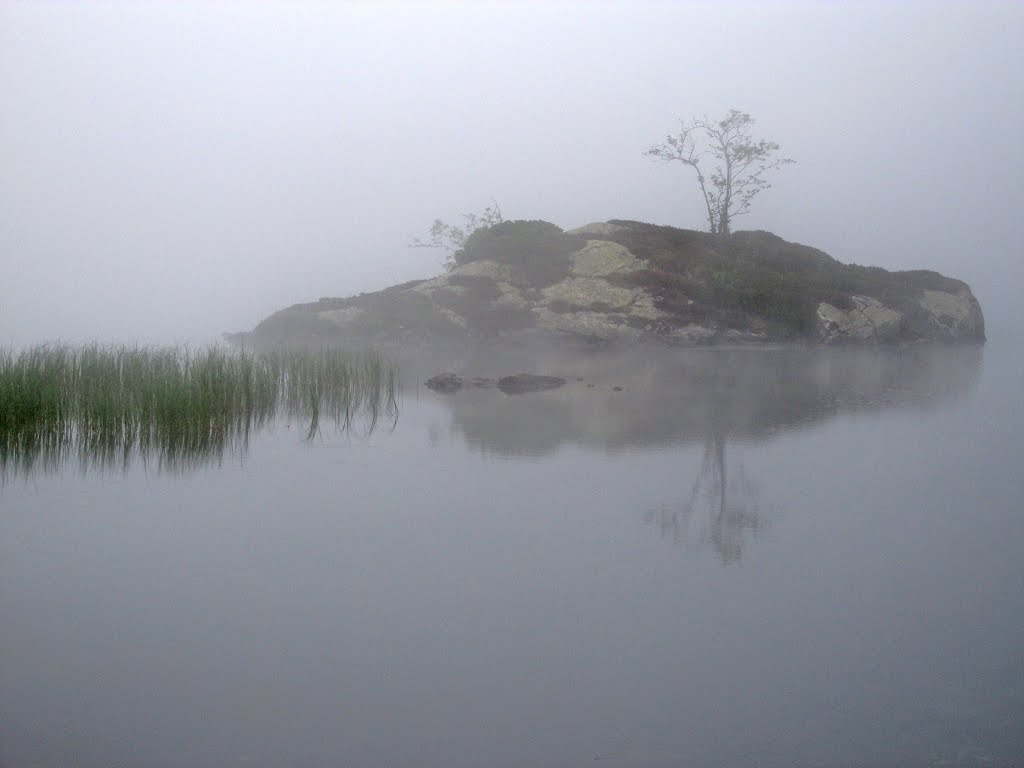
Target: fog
[[175, 171]]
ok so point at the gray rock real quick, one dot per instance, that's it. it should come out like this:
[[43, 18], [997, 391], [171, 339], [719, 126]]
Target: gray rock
[[953, 316], [445, 382], [596, 229], [624, 282], [517, 384], [521, 383], [867, 320]]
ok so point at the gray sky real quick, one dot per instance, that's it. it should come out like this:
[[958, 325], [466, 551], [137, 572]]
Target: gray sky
[[172, 171]]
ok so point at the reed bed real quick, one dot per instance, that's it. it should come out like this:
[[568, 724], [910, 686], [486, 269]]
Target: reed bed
[[107, 405]]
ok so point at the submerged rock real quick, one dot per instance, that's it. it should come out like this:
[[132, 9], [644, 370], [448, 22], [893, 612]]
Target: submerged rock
[[444, 382], [516, 384], [521, 383]]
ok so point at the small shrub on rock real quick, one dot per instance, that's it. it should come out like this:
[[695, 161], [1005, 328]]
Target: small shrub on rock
[[538, 251]]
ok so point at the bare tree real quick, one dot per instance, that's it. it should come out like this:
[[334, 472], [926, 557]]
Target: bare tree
[[452, 238], [738, 168]]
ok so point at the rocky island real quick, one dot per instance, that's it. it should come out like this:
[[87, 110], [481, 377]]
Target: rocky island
[[626, 280]]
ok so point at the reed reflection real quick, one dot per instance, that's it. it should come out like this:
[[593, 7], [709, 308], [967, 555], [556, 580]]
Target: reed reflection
[[106, 407]]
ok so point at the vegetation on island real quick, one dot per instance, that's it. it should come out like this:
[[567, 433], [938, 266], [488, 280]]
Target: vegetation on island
[[107, 405], [632, 280], [739, 163], [452, 238], [756, 281], [539, 251], [731, 169], [628, 279]]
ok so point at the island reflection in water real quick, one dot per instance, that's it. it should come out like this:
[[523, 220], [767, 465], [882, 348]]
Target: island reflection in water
[[389, 590], [652, 399]]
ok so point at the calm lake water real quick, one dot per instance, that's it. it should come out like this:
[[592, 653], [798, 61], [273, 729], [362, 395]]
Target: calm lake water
[[743, 558]]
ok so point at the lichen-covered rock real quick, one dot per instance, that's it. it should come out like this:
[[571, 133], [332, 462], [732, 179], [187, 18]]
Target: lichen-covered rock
[[597, 229], [601, 258], [936, 315], [588, 324], [586, 292], [867, 320], [953, 316], [629, 281]]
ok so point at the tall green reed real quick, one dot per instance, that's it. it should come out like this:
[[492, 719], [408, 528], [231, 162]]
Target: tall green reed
[[107, 405]]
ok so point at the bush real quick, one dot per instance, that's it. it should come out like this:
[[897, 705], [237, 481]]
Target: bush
[[538, 251]]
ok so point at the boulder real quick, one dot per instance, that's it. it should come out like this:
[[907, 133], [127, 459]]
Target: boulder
[[953, 316], [517, 384], [867, 320], [521, 383], [445, 382]]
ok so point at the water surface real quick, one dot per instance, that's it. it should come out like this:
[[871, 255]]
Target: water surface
[[741, 558]]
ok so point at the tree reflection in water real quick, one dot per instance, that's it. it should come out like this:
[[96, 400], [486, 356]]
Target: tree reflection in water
[[634, 399], [721, 508]]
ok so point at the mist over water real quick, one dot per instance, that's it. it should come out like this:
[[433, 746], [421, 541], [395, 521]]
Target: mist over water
[[742, 557], [758, 556], [173, 172]]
